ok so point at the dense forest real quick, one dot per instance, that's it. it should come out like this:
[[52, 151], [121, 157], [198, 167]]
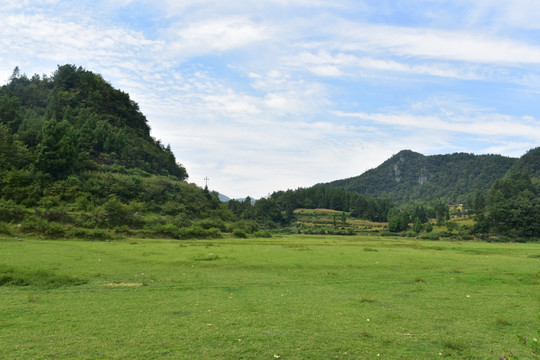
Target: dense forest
[[77, 160]]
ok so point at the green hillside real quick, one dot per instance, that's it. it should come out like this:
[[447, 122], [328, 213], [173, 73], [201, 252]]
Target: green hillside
[[410, 176], [529, 164], [77, 159], [75, 121]]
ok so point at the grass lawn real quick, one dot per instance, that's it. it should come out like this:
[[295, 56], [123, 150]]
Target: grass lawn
[[296, 297]]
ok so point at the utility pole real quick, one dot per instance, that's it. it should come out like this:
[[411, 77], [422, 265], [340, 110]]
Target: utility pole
[[206, 181]]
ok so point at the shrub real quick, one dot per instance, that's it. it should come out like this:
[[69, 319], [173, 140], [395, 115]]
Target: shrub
[[173, 208], [249, 226], [263, 234], [194, 231], [4, 228], [78, 233], [9, 211], [58, 214], [54, 230], [82, 202], [240, 233], [165, 229], [213, 233], [116, 212], [99, 234], [34, 224], [213, 223], [49, 201], [124, 229], [181, 220]]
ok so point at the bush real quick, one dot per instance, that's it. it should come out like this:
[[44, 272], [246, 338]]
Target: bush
[[165, 229], [173, 208], [249, 226], [124, 229], [181, 220], [90, 234], [116, 212], [78, 233], [99, 234], [49, 201], [54, 230], [58, 214], [9, 211], [34, 224], [4, 228], [196, 231], [263, 234], [82, 202], [213, 223], [240, 233]]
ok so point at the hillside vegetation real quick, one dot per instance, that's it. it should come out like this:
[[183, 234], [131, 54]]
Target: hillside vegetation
[[410, 176], [77, 160]]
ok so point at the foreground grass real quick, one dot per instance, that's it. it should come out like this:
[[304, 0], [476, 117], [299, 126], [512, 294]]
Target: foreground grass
[[292, 298]]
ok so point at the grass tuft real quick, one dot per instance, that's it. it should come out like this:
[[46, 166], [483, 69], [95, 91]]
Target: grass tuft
[[367, 299], [209, 257], [501, 321], [455, 344], [41, 279]]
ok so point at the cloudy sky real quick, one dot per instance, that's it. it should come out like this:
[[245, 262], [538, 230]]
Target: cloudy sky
[[268, 95]]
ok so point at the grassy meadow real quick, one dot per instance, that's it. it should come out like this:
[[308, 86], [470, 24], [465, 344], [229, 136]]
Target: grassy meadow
[[292, 297]]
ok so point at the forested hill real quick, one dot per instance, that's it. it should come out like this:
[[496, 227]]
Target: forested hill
[[529, 164], [409, 176], [77, 160], [76, 121]]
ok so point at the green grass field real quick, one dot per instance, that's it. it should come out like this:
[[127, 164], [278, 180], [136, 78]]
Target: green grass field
[[296, 297]]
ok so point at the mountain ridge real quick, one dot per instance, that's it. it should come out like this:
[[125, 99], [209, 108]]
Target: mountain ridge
[[411, 176]]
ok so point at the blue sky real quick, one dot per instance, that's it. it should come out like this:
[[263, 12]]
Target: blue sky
[[269, 95]]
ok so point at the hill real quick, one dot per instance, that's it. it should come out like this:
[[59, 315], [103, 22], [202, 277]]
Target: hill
[[529, 164], [75, 120], [77, 159], [410, 176]]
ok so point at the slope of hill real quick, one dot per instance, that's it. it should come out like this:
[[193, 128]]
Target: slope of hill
[[409, 176], [529, 164], [76, 120], [77, 159]]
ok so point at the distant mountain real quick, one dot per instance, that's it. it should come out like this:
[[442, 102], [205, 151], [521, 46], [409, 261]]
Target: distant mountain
[[409, 176], [223, 198]]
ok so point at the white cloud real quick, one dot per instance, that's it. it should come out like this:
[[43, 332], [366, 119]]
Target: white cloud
[[485, 125], [324, 64], [432, 43], [514, 13], [244, 91], [219, 35]]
